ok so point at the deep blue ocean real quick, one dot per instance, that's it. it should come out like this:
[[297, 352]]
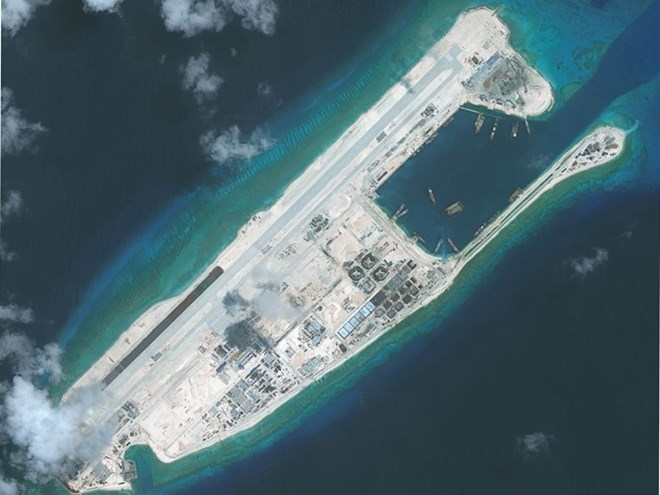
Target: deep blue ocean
[[119, 181]]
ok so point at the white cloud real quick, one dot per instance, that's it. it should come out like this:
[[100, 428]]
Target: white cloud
[[45, 438], [15, 313], [6, 254], [102, 5], [630, 230], [197, 78], [28, 361], [534, 444], [18, 133], [260, 15], [49, 437], [273, 305], [191, 17], [259, 294], [7, 486], [10, 207], [17, 13], [232, 146], [264, 89], [584, 265]]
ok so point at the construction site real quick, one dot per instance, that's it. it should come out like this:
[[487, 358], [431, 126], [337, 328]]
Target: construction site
[[310, 282]]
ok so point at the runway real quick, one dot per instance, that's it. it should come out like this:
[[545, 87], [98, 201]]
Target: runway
[[337, 173]]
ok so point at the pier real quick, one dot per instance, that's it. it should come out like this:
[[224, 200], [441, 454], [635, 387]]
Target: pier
[[397, 213], [418, 238], [515, 194]]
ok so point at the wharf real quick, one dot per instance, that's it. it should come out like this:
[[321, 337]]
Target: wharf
[[515, 194]]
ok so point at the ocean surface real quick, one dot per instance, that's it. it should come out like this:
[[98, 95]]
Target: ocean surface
[[527, 379]]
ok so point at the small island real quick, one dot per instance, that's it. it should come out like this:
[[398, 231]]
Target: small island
[[322, 274]]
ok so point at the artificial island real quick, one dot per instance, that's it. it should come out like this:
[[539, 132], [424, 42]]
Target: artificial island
[[320, 275]]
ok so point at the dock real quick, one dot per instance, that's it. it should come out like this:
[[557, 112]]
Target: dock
[[493, 217], [453, 246], [454, 208], [515, 194], [494, 129], [432, 197], [529, 129], [479, 123], [438, 245], [514, 129], [417, 238]]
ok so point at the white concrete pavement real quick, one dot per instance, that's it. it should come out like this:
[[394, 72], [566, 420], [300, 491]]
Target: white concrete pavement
[[336, 174]]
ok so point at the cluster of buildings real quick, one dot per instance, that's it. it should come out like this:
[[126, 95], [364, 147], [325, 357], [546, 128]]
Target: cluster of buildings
[[601, 146]]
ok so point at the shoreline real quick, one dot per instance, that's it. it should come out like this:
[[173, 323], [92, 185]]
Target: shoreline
[[531, 220], [442, 82], [291, 415], [265, 221], [470, 255], [361, 92], [96, 320], [356, 91], [510, 215], [265, 218]]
